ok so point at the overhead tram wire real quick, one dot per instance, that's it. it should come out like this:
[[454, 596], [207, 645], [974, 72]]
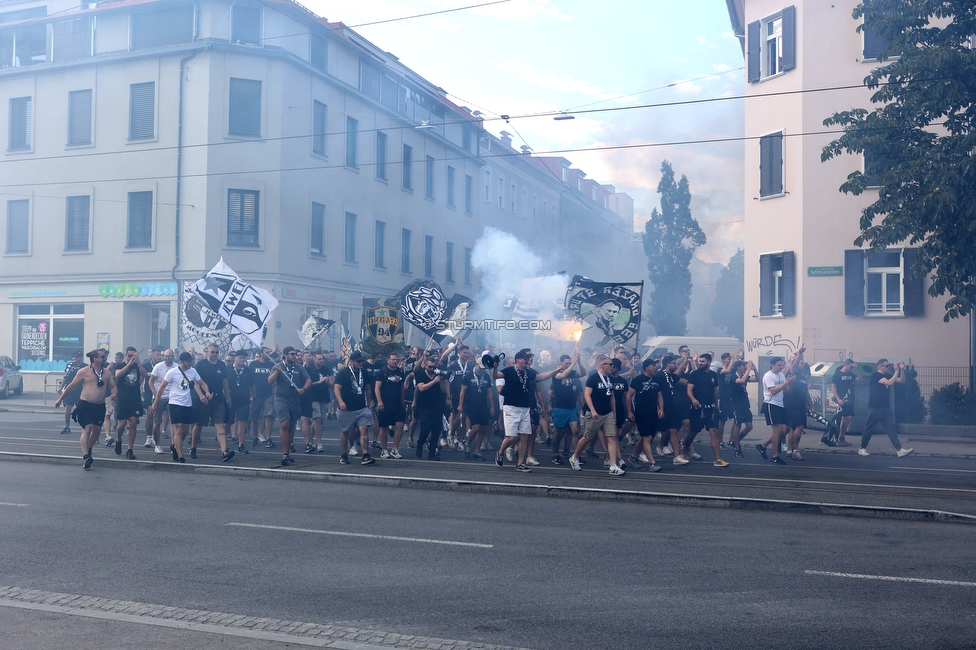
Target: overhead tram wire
[[664, 87]]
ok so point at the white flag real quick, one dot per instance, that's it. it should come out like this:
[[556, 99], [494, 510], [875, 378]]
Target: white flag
[[244, 306]]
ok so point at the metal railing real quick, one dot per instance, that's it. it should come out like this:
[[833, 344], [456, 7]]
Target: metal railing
[[931, 378]]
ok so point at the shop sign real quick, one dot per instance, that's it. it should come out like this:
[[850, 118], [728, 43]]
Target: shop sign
[[33, 338], [133, 290]]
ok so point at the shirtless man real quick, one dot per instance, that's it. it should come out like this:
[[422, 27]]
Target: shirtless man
[[90, 412]]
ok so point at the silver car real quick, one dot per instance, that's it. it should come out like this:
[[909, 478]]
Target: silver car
[[11, 381]]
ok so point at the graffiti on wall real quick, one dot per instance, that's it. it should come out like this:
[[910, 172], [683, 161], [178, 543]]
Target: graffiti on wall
[[773, 341]]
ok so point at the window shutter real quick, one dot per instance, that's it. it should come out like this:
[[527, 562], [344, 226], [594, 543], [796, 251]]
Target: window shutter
[[79, 117], [20, 123], [140, 220], [874, 43], [18, 226], [914, 290], [854, 282], [752, 53], [245, 107], [318, 52], [318, 228], [788, 285], [776, 163], [152, 29], [318, 128], [789, 38], [242, 218], [73, 39], [142, 111], [76, 223], [765, 285], [246, 27], [765, 165]]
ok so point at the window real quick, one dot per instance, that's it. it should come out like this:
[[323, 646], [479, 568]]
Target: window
[[79, 117], [429, 256], [28, 43], [350, 247], [468, 194], [48, 334], [139, 220], [874, 167], [18, 226], [429, 177], [151, 29], [352, 138], [381, 155], [879, 283], [243, 218], [245, 25], [379, 245], [487, 186], [405, 250], [466, 138], [772, 45], [467, 266], [407, 163], [771, 164], [369, 80], [319, 115], [318, 53], [875, 45], [245, 108], [777, 284], [535, 205], [513, 197], [525, 202], [449, 262], [76, 223], [317, 240], [450, 187], [20, 124], [142, 111], [73, 39], [501, 192]]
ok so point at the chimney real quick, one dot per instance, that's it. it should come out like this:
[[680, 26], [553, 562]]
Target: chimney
[[506, 139]]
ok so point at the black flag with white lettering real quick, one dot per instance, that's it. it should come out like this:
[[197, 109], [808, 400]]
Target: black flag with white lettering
[[613, 307]]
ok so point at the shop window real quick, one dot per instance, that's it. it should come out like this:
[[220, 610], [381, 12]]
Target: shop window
[[48, 334]]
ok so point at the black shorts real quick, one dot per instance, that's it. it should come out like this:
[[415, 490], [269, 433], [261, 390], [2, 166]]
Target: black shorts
[[682, 411], [776, 415], [215, 411], [797, 416], [646, 424], [742, 414], [705, 417], [478, 417], [181, 414], [535, 416], [389, 417], [726, 410], [305, 407], [240, 410], [86, 413], [671, 419], [129, 407], [846, 409]]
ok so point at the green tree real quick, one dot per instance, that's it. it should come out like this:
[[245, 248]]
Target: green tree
[[728, 310], [671, 237], [920, 139]]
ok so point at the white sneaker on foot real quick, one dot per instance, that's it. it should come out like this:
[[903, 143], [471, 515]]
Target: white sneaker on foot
[[510, 454], [904, 451], [680, 460], [159, 450], [863, 452], [531, 461]]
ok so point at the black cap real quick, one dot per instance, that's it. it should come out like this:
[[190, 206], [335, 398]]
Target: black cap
[[356, 356]]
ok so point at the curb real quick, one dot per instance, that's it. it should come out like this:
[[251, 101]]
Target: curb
[[533, 490]]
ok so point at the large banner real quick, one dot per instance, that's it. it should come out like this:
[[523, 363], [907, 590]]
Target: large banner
[[246, 307], [313, 328], [423, 305], [200, 326], [382, 331], [457, 311], [612, 307]]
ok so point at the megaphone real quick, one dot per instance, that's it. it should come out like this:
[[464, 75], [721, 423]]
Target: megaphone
[[489, 361]]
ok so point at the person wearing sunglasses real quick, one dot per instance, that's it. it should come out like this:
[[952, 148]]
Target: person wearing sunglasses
[[95, 384], [880, 415]]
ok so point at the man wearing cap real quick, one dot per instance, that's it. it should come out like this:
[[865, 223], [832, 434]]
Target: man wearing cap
[[599, 398], [645, 405], [517, 392], [290, 380], [70, 371], [160, 416], [842, 386], [354, 413]]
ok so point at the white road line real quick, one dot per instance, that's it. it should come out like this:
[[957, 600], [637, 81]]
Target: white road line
[[366, 535], [16, 505], [934, 469], [862, 576]]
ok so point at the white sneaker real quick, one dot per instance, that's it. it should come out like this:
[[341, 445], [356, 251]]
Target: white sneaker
[[320, 448], [109, 441], [395, 455], [659, 450], [574, 463], [159, 450], [149, 443], [904, 451], [679, 460], [262, 439], [510, 454], [863, 452], [384, 454], [532, 461], [667, 451], [354, 450], [796, 455], [616, 471], [643, 457]]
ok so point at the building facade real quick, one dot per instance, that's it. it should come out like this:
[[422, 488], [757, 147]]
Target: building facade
[[147, 140], [805, 281]]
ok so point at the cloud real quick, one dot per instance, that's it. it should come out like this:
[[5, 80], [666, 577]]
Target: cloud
[[524, 11], [550, 80]]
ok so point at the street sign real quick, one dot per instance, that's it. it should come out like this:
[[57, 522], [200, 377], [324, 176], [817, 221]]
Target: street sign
[[824, 271]]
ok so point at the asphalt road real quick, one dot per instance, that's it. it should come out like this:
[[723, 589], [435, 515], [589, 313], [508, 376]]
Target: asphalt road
[[539, 573]]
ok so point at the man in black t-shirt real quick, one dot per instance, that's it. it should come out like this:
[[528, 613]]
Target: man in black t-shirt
[[319, 394], [672, 386], [213, 371], [239, 381], [598, 395], [726, 378], [476, 404], [645, 405], [797, 403], [262, 400], [703, 393], [429, 401], [129, 376], [290, 381], [155, 356], [739, 398], [455, 375], [842, 386], [351, 393], [388, 388], [564, 394], [517, 392], [880, 415]]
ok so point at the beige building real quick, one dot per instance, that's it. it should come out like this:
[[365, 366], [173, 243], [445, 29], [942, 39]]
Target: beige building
[[146, 140], [805, 281]]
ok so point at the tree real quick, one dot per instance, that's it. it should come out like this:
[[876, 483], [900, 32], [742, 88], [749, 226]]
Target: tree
[[919, 141], [728, 310], [671, 237]]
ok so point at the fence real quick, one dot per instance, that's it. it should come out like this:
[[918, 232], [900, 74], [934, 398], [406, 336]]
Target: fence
[[931, 378]]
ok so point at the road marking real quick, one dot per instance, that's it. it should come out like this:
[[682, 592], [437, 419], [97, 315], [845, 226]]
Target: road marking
[[16, 505], [935, 469], [366, 535], [862, 576]]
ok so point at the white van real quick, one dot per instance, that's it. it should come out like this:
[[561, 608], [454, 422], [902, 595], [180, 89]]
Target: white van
[[658, 346]]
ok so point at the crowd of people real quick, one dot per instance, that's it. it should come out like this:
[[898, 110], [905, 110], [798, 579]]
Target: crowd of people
[[459, 398]]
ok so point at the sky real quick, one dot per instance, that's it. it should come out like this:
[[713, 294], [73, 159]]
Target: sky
[[528, 56]]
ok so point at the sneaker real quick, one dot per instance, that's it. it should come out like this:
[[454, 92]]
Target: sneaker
[[532, 461], [722, 445], [241, 449], [796, 455], [419, 451], [680, 460], [863, 452], [227, 455], [616, 471], [592, 454], [354, 450], [643, 458], [309, 449], [659, 450], [549, 441], [384, 454], [442, 442], [344, 459], [499, 460], [193, 452], [467, 450], [904, 451], [320, 449], [510, 454], [738, 453], [269, 443], [654, 467], [109, 441], [368, 460], [395, 455], [667, 450], [606, 464], [487, 446], [783, 447], [778, 461], [634, 462], [720, 463], [181, 460], [566, 453], [375, 445], [149, 443], [176, 456], [522, 468], [263, 439], [88, 461], [284, 460], [65, 431], [696, 456], [477, 456], [159, 449], [254, 443], [556, 460], [118, 446], [129, 454], [410, 443], [762, 452], [843, 443], [574, 463]]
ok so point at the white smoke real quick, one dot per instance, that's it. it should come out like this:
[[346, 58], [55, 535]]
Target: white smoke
[[503, 262]]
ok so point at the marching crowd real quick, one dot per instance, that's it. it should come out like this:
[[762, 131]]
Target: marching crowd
[[457, 398]]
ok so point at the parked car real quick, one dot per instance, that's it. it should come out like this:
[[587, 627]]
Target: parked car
[[11, 381]]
